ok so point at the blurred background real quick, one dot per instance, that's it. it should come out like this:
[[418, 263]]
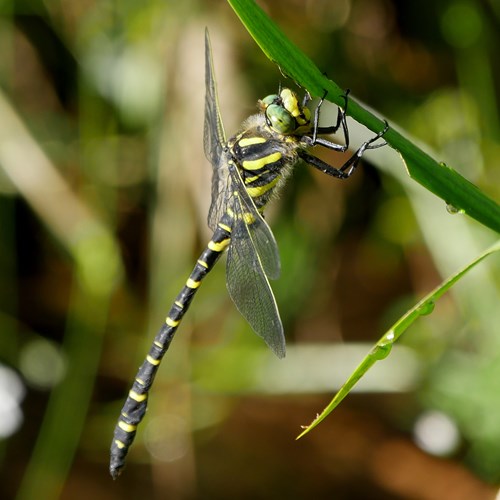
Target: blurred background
[[104, 191]]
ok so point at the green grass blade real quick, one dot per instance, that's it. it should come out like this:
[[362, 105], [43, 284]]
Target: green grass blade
[[441, 180], [383, 347]]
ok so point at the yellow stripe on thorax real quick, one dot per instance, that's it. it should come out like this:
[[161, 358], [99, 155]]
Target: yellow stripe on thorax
[[261, 162], [250, 141], [247, 217], [249, 180], [257, 191]]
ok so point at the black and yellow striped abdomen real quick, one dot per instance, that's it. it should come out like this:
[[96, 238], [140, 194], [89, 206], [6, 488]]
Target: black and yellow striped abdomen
[[260, 163], [135, 406]]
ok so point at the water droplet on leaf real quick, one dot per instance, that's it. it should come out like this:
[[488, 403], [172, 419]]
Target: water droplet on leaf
[[426, 308], [453, 210], [383, 348]]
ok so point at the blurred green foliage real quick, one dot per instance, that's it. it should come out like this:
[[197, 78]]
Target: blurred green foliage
[[104, 191]]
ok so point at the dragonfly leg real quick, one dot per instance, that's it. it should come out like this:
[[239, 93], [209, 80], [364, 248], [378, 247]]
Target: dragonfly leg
[[341, 122], [348, 168]]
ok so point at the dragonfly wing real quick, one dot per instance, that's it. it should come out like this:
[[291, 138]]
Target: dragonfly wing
[[249, 289], [252, 252], [214, 139], [214, 136], [261, 235]]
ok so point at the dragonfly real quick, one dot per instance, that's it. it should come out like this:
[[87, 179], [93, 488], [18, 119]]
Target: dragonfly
[[248, 170]]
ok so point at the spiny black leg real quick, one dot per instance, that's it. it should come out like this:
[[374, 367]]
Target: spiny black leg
[[314, 140], [341, 122], [316, 117], [322, 166], [370, 144], [350, 165], [307, 99]]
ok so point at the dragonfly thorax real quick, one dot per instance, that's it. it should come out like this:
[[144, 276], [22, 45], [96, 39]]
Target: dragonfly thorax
[[284, 114]]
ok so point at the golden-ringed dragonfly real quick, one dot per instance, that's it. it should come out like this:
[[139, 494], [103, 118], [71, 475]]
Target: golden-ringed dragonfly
[[248, 169]]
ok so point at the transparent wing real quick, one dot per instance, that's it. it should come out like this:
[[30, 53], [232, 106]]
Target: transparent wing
[[262, 237], [214, 139], [221, 193], [253, 254], [252, 258], [214, 136]]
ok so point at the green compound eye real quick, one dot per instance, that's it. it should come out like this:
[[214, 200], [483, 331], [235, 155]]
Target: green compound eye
[[281, 120], [270, 99]]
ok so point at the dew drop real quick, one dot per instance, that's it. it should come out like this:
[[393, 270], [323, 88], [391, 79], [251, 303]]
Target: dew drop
[[426, 308], [453, 210], [388, 337], [383, 348]]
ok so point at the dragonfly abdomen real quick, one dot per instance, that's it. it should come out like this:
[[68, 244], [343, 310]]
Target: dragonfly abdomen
[[135, 406]]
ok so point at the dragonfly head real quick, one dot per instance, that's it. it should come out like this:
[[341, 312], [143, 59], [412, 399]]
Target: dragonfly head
[[284, 113]]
